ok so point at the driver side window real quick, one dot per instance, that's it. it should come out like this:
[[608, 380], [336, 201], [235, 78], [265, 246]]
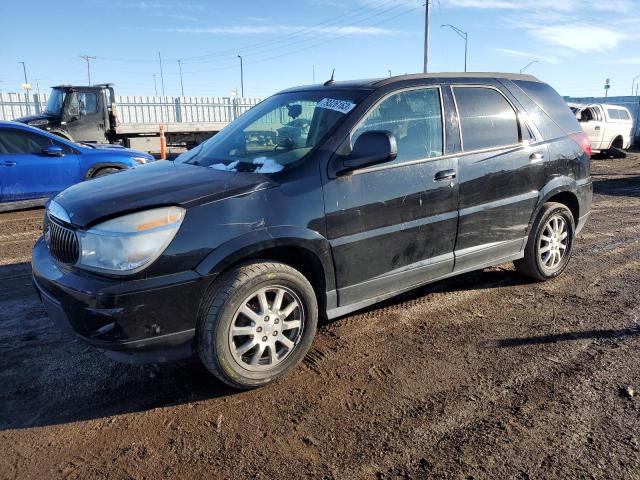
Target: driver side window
[[414, 117]]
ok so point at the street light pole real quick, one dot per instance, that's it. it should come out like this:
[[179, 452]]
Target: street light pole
[[426, 36], [528, 65], [389, 70], [161, 73], [465, 36], [181, 84], [633, 82], [26, 87], [241, 77], [87, 58], [155, 84]]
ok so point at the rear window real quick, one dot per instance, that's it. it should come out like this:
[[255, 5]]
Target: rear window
[[552, 104], [613, 113], [487, 119]]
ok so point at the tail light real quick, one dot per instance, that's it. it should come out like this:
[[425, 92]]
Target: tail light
[[582, 139]]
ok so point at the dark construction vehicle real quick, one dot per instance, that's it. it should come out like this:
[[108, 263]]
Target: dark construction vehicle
[[89, 114]]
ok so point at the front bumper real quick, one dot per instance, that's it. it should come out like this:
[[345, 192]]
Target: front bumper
[[133, 320]]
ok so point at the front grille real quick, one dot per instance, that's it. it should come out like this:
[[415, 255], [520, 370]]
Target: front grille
[[62, 242]]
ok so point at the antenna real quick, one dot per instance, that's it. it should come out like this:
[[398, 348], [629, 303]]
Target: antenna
[[330, 81]]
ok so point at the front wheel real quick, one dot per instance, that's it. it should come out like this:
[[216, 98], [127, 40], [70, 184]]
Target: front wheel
[[257, 324], [550, 243]]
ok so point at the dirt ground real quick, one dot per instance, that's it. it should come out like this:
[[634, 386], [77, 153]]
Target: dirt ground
[[486, 375]]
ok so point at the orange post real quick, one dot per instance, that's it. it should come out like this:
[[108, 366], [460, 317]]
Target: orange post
[[163, 144]]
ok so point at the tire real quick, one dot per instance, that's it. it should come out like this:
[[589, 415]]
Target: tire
[[537, 264], [104, 171], [234, 300]]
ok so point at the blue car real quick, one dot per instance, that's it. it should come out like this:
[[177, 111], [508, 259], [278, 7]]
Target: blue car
[[36, 165]]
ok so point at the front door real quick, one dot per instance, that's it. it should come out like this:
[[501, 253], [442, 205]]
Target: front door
[[393, 225], [85, 116], [593, 124], [28, 173]]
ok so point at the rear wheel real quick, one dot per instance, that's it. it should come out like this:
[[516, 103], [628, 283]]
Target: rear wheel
[[550, 243], [258, 323]]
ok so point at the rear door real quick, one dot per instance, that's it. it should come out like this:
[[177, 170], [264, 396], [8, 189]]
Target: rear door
[[393, 225], [501, 170], [28, 173]]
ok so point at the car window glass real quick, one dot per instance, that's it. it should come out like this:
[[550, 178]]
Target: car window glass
[[88, 103], [613, 113], [20, 142], [623, 114], [415, 119], [486, 118]]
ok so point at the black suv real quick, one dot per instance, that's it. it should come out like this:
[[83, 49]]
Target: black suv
[[317, 202]]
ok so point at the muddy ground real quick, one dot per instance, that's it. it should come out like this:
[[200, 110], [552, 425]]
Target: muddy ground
[[482, 376]]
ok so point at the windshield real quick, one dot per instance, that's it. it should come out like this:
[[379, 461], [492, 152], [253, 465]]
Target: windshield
[[55, 102], [275, 133]]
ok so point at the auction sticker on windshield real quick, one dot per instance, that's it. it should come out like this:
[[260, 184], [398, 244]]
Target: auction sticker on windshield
[[342, 106]]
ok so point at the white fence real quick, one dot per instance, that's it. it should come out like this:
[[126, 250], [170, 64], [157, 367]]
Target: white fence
[[142, 109]]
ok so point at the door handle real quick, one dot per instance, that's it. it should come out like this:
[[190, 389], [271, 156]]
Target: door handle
[[536, 157], [597, 127], [445, 175], [8, 163]]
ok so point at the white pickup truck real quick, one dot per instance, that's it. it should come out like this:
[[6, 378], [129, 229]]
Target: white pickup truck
[[608, 126]]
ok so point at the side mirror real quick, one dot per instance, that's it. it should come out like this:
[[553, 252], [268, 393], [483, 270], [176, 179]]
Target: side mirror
[[53, 151], [371, 148]]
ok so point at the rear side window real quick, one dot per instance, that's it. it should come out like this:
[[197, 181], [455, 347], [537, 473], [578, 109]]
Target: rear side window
[[486, 118], [624, 115], [552, 104], [415, 119], [613, 113]]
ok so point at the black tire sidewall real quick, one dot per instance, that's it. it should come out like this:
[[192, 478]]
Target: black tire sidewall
[[215, 351], [544, 218]]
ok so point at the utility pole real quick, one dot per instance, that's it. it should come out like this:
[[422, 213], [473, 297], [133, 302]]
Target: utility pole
[[313, 74], [26, 87], [607, 86], [426, 36], [161, 73], [389, 70], [241, 77], [155, 84], [465, 36], [87, 58], [181, 84]]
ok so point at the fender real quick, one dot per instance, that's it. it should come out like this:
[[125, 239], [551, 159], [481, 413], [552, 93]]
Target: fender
[[554, 186], [97, 166], [255, 241]]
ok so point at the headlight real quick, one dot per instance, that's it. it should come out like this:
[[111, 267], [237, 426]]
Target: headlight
[[129, 243], [36, 123], [140, 160]]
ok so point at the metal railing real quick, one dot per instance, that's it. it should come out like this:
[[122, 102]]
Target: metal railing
[[142, 109]]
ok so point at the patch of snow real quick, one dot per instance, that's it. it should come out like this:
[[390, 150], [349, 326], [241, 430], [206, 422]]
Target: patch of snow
[[227, 168], [267, 165]]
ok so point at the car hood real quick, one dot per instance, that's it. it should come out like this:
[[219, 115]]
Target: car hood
[[110, 149], [153, 185], [31, 118]]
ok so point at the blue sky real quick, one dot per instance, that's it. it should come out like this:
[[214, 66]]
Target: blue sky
[[578, 43]]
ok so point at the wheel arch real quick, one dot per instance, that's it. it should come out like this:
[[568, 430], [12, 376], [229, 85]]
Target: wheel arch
[[561, 190], [305, 250], [95, 167]]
